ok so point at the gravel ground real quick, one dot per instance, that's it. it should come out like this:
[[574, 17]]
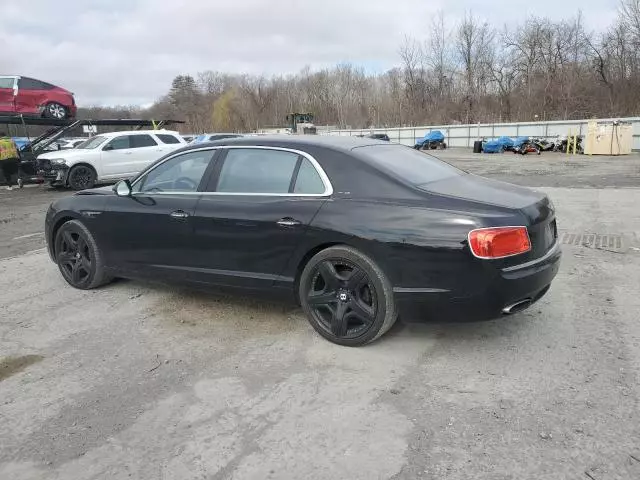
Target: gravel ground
[[140, 381]]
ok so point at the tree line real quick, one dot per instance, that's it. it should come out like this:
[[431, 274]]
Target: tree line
[[466, 72]]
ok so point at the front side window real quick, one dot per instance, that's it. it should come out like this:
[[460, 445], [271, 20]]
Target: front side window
[[92, 142], [140, 141], [119, 143], [26, 83], [165, 138], [257, 171], [182, 173]]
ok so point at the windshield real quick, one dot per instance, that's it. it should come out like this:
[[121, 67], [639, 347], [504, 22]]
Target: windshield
[[92, 142], [410, 165]]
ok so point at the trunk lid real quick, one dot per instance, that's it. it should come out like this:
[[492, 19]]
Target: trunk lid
[[533, 205], [484, 190]]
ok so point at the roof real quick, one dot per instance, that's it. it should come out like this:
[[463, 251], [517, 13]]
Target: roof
[[333, 142], [136, 132], [130, 122]]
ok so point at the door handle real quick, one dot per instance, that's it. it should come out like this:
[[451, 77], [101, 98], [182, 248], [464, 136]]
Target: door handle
[[179, 214], [127, 153], [288, 222]]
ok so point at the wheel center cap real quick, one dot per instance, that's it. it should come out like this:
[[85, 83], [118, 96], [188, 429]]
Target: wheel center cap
[[342, 296], [78, 255]]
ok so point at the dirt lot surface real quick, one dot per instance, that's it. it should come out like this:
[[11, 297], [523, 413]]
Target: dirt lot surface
[[140, 381]]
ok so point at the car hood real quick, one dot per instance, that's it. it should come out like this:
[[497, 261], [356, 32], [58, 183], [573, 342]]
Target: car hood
[[108, 190], [486, 191], [66, 154]]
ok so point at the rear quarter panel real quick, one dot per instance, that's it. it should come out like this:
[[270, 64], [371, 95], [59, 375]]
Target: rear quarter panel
[[416, 246]]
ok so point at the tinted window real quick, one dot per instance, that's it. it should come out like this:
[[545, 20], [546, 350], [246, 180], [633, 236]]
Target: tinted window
[[6, 83], [179, 174], [308, 180], [139, 141], [31, 84], [164, 138], [409, 164], [119, 143], [257, 171]]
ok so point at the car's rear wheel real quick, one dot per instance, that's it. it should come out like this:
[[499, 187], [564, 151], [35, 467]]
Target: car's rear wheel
[[347, 298], [56, 111], [81, 177], [78, 256]]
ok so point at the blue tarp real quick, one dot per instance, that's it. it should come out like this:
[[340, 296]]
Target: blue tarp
[[506, 142], [493, 146], [435, 136], [20, 142], [519, 141]]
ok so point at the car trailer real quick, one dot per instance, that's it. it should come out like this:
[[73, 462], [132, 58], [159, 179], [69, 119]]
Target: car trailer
[[33, 171]]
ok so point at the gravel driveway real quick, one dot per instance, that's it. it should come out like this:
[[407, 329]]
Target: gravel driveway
[[147, 382]]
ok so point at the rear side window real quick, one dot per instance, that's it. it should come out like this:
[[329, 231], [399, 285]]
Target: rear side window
[[257, 171], [139, 141], [6, 82], [164, 138], [410, 165], [308, 180]]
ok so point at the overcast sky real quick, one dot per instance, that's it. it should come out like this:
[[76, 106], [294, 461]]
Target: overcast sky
[[112, 52]]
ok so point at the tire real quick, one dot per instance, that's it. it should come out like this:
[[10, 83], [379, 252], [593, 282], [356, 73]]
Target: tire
[[78, 257], [81, 177], [346, 297], [56, 111]]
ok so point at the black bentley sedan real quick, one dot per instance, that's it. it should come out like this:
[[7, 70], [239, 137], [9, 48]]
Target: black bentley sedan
[[359, 231]]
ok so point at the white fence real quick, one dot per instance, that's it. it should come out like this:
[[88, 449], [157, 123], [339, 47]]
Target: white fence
[[465, 135]]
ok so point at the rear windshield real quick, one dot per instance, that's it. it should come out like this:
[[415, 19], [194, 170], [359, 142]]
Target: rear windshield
[[410, 165], [92, 142]]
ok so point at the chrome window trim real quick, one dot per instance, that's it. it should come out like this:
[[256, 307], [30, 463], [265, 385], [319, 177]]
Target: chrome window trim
[[328, 188]]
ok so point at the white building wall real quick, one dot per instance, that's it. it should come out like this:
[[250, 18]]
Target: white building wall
[[465, 135]]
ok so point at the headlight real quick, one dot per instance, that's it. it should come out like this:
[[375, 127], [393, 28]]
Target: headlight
[[58, 161]]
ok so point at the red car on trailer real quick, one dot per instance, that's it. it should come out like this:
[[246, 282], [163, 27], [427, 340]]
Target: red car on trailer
[[28, 96]]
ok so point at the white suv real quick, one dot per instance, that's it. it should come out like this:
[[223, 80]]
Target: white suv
[[108, 157]]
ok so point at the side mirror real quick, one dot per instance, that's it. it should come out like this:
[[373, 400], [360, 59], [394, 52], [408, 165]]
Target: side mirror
[[122, 188], [107, 148]]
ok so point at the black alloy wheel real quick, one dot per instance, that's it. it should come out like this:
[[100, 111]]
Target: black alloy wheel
[[78, 257], [74, 258], [342, 298], [81, 177], [346, 297]]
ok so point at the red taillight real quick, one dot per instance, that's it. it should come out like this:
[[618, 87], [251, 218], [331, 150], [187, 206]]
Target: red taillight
[[498, 242]]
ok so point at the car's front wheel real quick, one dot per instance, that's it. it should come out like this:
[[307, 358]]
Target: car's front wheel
[[56, 111], [347, 298], [78, 256], [81, 177]]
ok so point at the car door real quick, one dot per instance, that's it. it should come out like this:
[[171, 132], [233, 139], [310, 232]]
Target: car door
[[257, 206], [117, 158], [150, 232], [146, 150], [31, 95], [8, 90]]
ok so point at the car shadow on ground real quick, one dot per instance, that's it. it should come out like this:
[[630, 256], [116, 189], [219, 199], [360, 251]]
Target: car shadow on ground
[[212, 310]]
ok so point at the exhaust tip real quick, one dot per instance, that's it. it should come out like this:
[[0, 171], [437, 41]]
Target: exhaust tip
[[517, 307]]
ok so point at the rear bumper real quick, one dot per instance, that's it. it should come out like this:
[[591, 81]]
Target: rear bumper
[[514, 289]]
